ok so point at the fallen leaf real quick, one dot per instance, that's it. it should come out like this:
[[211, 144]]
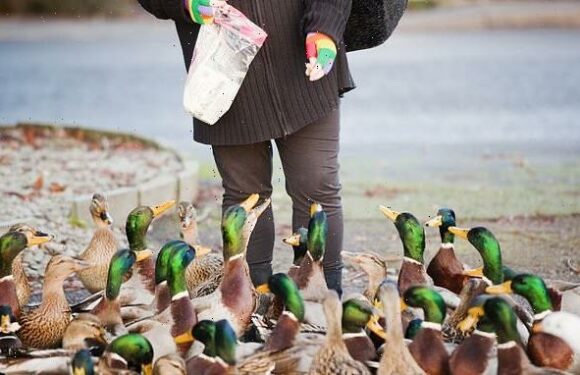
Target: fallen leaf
[[38, 183], [55, 187]]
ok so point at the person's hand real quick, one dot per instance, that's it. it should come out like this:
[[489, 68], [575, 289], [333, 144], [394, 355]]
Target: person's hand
[[202, 11], [320, 52]]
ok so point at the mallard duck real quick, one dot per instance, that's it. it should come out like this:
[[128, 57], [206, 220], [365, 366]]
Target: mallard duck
[[412, 235], [396, 358], [511, 356], [85, 331], [13, 281], [445, 269], [299, 243], [108, 310], [333, 357], [428, 348], [132, 352], [488, 247], [357, 313], [310, 276], [82, 363], [170, 364], [9, 341], [373, 265], [101, 248], [235, 299], [565, 327], [545, 349], [43, 327], [205, 273], [206, 362]]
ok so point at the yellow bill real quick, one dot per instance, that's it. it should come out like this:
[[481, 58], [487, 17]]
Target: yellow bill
[[147, 369], [475, 272], [184, 338], [161, 208], [201, 251], [374, 326], [459, 232], [263, 289], [437, 221], [293, 240], [392, 215], [314, 208], [505, 288], [143, 254], [250, 202]]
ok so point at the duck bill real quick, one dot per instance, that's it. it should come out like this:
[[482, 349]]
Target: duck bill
[[374, 326], [459, 232], [39, 238], [293, 240], [505, 288], [201, 251], [468, 323], [162, 207], [106, 217], [147, 369], [250, 202], [184, 338], [143, 254], [437, 221], [402, 304], [314, 208], [392, 215], [475, 272], [263, 289]]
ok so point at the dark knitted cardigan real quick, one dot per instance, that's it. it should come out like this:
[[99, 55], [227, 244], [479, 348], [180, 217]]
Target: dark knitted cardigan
[[276, 97]]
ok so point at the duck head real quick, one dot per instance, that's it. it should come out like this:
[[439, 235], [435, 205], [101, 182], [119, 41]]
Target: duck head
[[356, 314], [187, 215], [121, 263], [298, 241], [138, 222], [501, 315], [445, 218], [488, 247], [531, 287], [135, 350], [427, 299], [317, 232], [283, 287], [82, 363], [226, 342], [181, 256], [99, 210], [8, 322], [13, 242], [238, 222], [410, 231], [204, 332]]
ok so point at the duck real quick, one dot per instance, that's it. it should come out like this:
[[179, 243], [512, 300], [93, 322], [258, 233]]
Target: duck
[[170, 364], [564, 326], [299, 242], [427, 347], [412, 235], [373, 265], [357, 314], [545, 349], [131, 351], [44, 326], [13, 280], [511, 356], [235, 298], [397, 358], [310, 276], [9, 341], [101, 248], [82, 363], [108, 310], [333, 357], [85, 331], [205, 273], [445, 268]]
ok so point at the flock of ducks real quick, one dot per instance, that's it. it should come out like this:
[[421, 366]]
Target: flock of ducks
[[186, 310]]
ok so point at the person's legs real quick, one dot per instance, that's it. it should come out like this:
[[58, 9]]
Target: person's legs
[[310, 161], [245, 170]]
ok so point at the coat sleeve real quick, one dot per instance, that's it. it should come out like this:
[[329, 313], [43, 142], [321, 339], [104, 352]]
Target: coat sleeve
[[327, 16], [167, 9]]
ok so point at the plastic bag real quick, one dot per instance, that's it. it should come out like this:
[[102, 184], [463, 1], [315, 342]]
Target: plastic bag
[[222, 56]]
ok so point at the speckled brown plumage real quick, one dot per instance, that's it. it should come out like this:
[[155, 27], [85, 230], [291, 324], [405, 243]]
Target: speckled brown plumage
[[99, 252], [472, 289], [204, 275], [21, 280]]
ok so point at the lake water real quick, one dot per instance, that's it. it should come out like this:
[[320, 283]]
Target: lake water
[[513, 89]]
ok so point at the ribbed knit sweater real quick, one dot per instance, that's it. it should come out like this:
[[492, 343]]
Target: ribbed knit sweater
[[276, 97]]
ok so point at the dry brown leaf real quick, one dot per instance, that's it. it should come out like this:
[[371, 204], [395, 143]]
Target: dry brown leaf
[[55, 187], [38, 183]]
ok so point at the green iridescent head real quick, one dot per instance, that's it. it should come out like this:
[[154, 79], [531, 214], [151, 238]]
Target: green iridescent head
[[501, 315], [82, 363], [299, 242], [226, 342], [488, 247], [286, 289], [317, 232], [356, 313], [413, 328], [181, 256], [13, 242], [427, 299], [445, 218], [138, 223], [136, 350], [410, 231], [531, 287], [204, 332], [120, 264], [162, 264]]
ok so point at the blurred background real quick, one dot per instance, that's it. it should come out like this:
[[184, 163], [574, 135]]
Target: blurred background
[[473, 105]]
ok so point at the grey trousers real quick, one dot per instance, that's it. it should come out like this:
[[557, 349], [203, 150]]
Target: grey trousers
[[310, 162]]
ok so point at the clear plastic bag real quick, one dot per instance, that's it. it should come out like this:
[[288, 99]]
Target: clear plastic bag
[[222, 56]]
